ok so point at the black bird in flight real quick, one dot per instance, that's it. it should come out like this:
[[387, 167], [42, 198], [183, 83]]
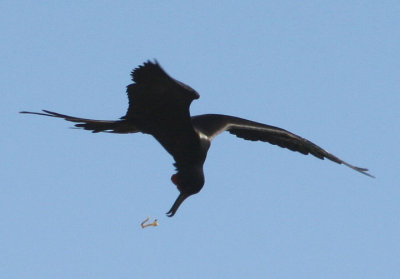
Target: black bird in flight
[[159, 106]]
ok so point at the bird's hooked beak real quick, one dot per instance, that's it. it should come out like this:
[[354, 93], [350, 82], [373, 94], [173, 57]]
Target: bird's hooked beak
[[177, 203]]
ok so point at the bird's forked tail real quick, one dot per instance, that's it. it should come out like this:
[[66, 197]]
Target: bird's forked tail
[[110, 126]]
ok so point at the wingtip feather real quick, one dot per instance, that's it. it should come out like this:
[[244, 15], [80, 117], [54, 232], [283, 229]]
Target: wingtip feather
[[360, 170]]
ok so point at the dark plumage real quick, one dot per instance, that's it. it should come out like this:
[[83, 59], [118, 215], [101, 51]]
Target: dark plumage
[[159, 106]]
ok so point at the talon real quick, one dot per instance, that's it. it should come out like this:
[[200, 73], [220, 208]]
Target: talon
[[154, 223]]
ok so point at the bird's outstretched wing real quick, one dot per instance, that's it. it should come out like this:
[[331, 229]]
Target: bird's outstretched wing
[[213, 124], [160, 105], [118, 126], [154, 92]]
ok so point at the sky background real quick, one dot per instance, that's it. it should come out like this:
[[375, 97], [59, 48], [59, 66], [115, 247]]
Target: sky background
[[71, 202]]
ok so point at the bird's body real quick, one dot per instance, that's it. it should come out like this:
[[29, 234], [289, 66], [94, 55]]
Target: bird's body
[[159, 106]]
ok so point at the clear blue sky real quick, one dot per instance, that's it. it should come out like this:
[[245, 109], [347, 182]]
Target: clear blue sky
[[71, 202]]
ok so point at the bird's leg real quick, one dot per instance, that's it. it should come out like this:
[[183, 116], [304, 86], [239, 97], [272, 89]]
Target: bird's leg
[[154, 223]]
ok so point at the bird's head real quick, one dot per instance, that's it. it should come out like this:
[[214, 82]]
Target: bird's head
[[189, 182]]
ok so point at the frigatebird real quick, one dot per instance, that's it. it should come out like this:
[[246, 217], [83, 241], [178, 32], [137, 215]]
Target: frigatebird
[[159, 106]]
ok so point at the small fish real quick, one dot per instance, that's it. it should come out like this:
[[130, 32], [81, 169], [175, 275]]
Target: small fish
[[154, 223]]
